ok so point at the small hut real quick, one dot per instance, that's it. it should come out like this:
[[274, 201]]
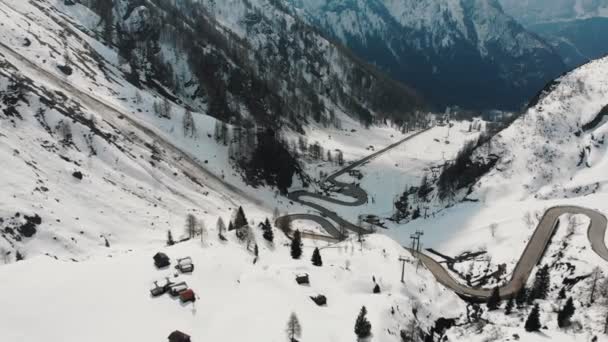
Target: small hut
[[185, 265], [178, 336], [302, 279], [187, 296], [178, 288], [320, 300], [157, 290], [161, 260]]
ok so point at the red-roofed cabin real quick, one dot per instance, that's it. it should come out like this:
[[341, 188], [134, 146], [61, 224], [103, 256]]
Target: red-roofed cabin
[[187, 296], [178, 336]]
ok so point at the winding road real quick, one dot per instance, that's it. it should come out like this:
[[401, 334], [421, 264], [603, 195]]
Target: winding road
[[346, 189], [532, 255]]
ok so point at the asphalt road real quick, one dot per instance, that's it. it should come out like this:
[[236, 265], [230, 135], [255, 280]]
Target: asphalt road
[[531, 256], [347, 189]]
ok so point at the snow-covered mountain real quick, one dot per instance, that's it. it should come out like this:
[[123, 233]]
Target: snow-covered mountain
[[541, 11], [575, 28], [241, 59], [457, 52]]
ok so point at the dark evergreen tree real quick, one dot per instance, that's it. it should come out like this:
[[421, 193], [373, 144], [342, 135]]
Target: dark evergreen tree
[[402, 206], [19, 256], [493, 301], [268, 234], [533, 321], [240, 220], [363, 328], [416, 213], [377, 289], [541, 286], [316, 258], [230, 226], [296, 245], [562, 293], [522, 297], [509, 306], [564, 315], [170, 241]]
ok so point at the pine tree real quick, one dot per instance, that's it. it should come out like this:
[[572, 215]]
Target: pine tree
[[316, 258], [170, 241], [533, 321], [562, 293], [230, 226], [377, 289], [363, 328], [240, 220], [542, 283], [294, 329], [494, 300], [296, 245], [522, 296], [564, 315], [268, 234]]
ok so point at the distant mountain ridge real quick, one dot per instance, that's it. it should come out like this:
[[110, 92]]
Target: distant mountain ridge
[[456, 52], [576, 28]]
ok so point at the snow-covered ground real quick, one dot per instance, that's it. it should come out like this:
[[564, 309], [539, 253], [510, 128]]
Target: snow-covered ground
[[386, 177], [108, 298]]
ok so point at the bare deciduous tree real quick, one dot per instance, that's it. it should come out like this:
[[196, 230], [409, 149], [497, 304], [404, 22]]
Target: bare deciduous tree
[[191, 226], [493, 228], [188, 124], [294, 329]]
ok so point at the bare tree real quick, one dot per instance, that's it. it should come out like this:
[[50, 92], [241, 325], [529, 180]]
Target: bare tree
[[284, 224], [276, 213], [5, 255], [221, 228], [65, 132], [595, 276], [202, 230], [410, 331], [138, 98], [188, 124], [493, 228], [294, 329], [191, 226]]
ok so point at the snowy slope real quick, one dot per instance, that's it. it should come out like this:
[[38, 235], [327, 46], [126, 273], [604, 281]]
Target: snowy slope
[[231, 292], [554, 154], [141, 173]]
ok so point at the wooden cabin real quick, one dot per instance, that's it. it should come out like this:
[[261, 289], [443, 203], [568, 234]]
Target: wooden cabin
[[320, 300], [161, 260], [178, 288], [187, 296], [185, 265], [302, 279], [178, 336]]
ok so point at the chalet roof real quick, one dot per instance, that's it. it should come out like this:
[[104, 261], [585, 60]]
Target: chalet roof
[[187, 295], [160, 255], [178, 336]]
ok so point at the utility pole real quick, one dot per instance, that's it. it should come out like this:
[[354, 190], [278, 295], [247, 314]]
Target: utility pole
[[403, 260], [418, 234]]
